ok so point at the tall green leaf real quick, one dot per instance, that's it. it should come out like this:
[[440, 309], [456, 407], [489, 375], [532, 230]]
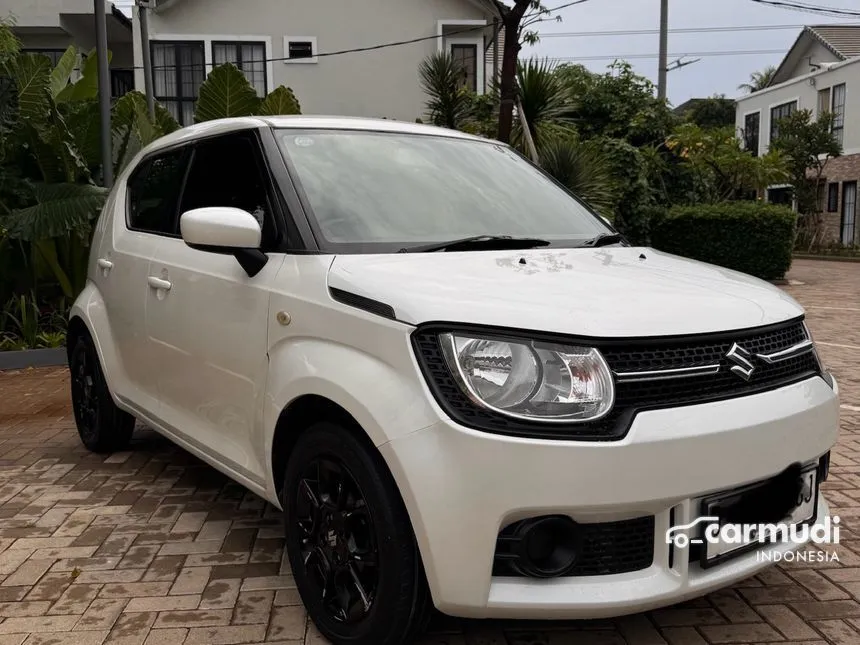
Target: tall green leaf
[[31, 74], [83, 121], [165, 120], [62, 73], [62, 209], [226, 93], [86, 87], [281, 100]]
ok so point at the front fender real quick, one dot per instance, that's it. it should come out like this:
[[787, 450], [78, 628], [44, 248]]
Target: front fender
[[387, 398]]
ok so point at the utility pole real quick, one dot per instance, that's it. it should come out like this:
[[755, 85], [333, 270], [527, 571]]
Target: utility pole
[[497, 30], [664, 49], [104, 91], [142, 16]]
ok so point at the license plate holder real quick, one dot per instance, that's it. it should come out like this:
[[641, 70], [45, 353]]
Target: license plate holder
[[803, 513]]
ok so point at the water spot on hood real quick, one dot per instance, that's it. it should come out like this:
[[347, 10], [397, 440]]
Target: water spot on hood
[[550, 262]]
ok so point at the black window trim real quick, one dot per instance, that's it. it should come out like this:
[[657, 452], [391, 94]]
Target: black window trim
[[300, 41], [832, 204], [471, 46], [833, 128], [773, 128], [238, 43], [755, 149], [178, 97], [162, 152], [280, 210]]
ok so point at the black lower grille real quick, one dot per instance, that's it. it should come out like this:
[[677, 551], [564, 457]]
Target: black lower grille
[[606, 548], [633, 356]]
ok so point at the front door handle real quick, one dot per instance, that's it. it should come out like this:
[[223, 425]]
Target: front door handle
[[158, 283], [107, 265]]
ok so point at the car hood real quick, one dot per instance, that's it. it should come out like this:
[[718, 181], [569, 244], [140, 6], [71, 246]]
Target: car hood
[[602, 292]]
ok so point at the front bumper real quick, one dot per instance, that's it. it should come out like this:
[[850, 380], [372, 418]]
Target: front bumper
[[462, 486]]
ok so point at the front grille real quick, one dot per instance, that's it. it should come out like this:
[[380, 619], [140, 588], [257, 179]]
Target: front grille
[[631, 397], [607, 548]]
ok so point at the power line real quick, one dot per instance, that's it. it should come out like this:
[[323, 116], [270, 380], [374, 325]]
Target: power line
[[750, 52], [823, 11], [680, 30]]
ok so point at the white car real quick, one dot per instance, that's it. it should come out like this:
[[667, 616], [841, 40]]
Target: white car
[[462, 386]]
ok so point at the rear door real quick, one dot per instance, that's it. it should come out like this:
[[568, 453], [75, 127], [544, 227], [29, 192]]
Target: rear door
[[207, 319], [143, 213]]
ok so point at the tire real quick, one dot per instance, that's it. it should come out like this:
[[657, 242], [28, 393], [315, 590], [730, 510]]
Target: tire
[[362, 521], [102, 426]]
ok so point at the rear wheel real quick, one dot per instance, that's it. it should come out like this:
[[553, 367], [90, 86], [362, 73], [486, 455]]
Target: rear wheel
[[350, 543], [102, 426]]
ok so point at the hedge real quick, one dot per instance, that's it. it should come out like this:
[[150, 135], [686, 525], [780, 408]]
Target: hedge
[[751, 237]]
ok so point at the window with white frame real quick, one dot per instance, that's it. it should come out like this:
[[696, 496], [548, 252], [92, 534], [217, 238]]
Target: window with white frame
[[300, 49], [178, 70], [837, 109], [249, 57]]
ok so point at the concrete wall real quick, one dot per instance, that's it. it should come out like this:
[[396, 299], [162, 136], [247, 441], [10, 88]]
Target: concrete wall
[[805, 93], [819, 54], [381, 83]]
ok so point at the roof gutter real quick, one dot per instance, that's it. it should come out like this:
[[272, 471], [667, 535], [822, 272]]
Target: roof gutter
[[798, 79]]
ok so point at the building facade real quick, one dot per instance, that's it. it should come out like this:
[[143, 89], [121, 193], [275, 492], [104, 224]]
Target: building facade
[[821, 73]]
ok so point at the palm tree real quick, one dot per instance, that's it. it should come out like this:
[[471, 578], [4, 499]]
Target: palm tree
[[759, 80], [546, 101], [442, 81], [583, 168]]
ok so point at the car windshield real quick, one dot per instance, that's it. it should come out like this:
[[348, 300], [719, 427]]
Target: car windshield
[[373, 190]]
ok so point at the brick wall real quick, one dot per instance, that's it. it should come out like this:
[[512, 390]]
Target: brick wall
[[838, 171]]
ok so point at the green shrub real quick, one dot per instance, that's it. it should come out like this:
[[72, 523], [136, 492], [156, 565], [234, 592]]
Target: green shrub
[[751, 237]]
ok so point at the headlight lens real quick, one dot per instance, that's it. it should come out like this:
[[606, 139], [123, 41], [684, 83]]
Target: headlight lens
[[531, 380]]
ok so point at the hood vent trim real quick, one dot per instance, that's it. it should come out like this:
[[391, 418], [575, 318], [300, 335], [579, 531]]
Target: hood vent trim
[[361, 302]]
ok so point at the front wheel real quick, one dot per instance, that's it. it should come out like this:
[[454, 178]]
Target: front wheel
[[350, 543], [102, 426]]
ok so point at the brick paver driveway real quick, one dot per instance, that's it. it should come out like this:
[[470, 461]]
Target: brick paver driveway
[[153, 547]]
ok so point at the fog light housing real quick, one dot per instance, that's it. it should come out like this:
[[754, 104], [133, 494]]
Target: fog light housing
[[547, 547]]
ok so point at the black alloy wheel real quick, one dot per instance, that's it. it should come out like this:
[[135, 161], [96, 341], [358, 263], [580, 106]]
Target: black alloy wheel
[[350, 543], [102, 426]]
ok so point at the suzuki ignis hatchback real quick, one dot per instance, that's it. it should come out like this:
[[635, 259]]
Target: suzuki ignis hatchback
[[464, 389]]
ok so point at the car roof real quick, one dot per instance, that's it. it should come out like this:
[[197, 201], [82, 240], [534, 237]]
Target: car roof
[[224, 126]]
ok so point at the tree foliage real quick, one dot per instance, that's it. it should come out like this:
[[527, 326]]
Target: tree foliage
[[758, 80], [713, 112], [725, 171], [617, 103]]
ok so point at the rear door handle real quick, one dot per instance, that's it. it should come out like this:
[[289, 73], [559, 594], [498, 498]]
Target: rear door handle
[[158, 283], [107, 265]]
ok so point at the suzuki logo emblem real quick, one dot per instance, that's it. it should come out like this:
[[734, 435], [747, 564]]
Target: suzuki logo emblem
[[743, 366]]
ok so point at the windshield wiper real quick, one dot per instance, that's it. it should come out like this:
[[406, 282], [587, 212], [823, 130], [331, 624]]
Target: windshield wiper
[[500, 242], [605, 239]]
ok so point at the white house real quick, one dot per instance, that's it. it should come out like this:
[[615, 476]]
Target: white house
[[821, 73], [50, 26], [310, 47]]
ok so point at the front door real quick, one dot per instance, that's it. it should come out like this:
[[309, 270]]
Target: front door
[[849, 212], [207, 318]]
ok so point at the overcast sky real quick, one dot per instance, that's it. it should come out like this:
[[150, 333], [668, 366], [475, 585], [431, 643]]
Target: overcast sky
[[713, 74]]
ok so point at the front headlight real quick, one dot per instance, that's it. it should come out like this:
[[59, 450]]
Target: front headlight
[[531, 380]]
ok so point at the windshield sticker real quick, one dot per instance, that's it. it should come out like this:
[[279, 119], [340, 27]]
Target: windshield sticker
[[303, 142]]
